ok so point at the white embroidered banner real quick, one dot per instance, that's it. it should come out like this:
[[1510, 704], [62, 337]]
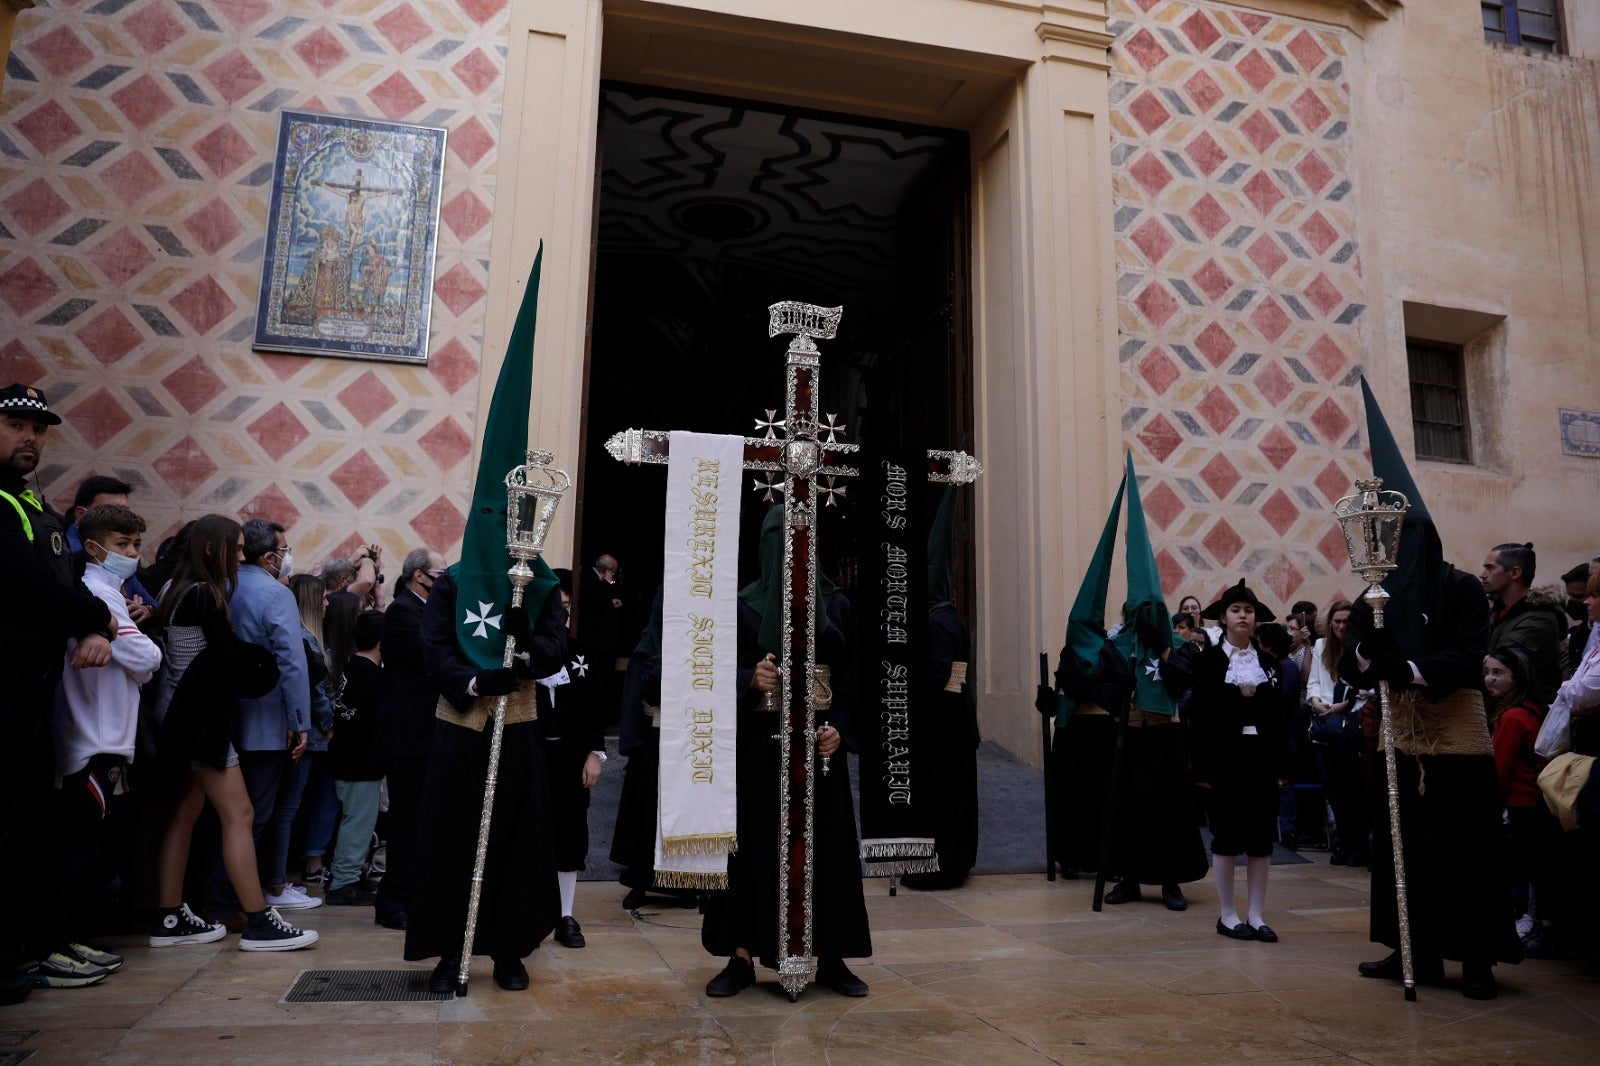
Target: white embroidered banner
[[697, 827]]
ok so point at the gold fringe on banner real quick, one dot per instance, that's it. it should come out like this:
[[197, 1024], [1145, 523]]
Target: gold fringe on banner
[[683, 879], [700, 844], [908, 848]]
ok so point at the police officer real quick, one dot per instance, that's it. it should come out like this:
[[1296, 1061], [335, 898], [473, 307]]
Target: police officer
[[48, 607]]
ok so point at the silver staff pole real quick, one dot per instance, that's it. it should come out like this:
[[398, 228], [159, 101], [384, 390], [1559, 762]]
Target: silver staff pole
[[533, 491], [1371, 521]]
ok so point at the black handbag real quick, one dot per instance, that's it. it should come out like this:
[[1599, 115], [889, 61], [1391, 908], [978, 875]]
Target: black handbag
[[1340, 729]]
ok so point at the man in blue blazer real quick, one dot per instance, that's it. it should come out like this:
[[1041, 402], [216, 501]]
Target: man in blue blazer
[[272, 730]]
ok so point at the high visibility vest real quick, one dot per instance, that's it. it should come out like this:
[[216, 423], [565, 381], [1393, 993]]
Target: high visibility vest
[[27, 525]]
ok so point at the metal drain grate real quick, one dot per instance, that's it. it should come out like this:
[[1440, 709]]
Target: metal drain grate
[[362, 986]]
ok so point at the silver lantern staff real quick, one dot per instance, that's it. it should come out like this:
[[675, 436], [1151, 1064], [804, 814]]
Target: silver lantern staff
[[533, 492], [1371, 521]]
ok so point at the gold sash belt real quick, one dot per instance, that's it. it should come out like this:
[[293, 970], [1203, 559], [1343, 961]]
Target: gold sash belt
[[1456, 725], [521, 706], [958, 677]]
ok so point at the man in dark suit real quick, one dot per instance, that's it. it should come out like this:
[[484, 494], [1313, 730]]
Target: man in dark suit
[[405, 724]]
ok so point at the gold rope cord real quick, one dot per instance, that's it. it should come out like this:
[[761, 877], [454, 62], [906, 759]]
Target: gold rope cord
[[521, 706]]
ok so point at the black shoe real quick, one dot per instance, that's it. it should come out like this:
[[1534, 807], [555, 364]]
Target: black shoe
[[1359, 858], [1542, 944], [351, 895], [939, 882], [1172, 896], [1125, 892], [443, 978], [1242, 931], [735, 977], [568, 933], [1265, 934], [634, 899], [390, 919], [834, 974], [14, 991], [1290, 841], [1337, 857], [1477, 981], [510, 974], [1389, 967], [1069, 873]]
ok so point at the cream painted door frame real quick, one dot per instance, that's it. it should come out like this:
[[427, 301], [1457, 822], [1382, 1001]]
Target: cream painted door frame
[[1028, 84]]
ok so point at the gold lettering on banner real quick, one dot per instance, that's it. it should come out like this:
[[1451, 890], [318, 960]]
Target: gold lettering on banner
[[700, 754], [702, 541]]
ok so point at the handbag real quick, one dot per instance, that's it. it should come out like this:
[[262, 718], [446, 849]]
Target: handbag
[[1339, 729], [1555, 733], [1561, 782]]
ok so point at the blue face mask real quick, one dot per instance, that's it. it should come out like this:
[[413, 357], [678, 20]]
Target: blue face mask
[[122, 567]]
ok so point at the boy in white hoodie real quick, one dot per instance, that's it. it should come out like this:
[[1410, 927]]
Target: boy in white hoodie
[[96, 726]]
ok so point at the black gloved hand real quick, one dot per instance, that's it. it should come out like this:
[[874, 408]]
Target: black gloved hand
[[1379, 644], [1391, 668], [518, 628], [1044, 701], [501, 682]]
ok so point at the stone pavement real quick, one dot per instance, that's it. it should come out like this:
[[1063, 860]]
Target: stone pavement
[[1008, 969]]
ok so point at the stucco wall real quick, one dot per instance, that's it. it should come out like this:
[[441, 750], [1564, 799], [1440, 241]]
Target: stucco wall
[[135, 149]]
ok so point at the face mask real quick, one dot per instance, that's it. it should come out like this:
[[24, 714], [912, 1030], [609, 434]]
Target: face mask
[[122, 567], [1576, 610], [286, 566]]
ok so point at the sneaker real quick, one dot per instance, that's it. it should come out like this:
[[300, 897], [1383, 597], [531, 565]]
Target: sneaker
[[94, 957], [1525, 925], [292, 898], [180, 925], [62, 970], [268, 931], [316, 877]]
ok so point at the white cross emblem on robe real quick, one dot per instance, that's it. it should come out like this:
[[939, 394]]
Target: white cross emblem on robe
[[580, 666], [482, 617]]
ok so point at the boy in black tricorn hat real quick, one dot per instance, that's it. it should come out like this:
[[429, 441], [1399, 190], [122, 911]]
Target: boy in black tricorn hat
[[1240, 752]]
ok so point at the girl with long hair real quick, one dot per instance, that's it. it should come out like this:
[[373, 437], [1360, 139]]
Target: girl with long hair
[[1339, 757], [1533, 837], [205, 667], [309, 781]]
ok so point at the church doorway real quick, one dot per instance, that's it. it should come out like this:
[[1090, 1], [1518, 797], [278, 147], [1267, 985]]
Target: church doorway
[[709, 210]]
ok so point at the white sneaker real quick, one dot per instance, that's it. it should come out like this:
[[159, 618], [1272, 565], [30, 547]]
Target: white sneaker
[[292, 898], [272, 933]]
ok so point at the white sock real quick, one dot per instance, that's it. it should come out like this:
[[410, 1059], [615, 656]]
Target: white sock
[[1255, 869], [567, 880], [1222, 877]]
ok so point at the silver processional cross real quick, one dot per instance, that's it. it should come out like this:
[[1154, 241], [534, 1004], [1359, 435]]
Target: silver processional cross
[[801, 458]]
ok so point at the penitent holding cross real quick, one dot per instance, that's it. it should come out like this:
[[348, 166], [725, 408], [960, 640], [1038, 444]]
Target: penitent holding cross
[[801, 458]]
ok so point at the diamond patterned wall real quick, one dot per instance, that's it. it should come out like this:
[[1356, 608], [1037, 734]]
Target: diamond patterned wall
[[1240, 291], [136, 140]]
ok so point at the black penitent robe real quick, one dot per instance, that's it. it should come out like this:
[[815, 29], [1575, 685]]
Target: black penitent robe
[[746, 914], [520, 903], [954, 738], [1450, 809]]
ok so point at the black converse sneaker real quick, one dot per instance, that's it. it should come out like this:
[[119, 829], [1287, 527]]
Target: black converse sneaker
[[180, 925], [267, 931]]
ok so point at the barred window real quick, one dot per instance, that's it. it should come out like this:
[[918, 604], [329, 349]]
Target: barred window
[[1439, 401], [1534, 24]]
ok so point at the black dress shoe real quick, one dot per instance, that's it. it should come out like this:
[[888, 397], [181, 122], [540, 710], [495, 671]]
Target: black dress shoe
[[569, 934], [834, 974], [1125, 892], [1337, 857], [390, 919], [1242, 931], [1389, 967], [1265, 934], [443, 978], [1172, 896], [634, 899], [1477, 981], [510, 974], [735, 977]]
